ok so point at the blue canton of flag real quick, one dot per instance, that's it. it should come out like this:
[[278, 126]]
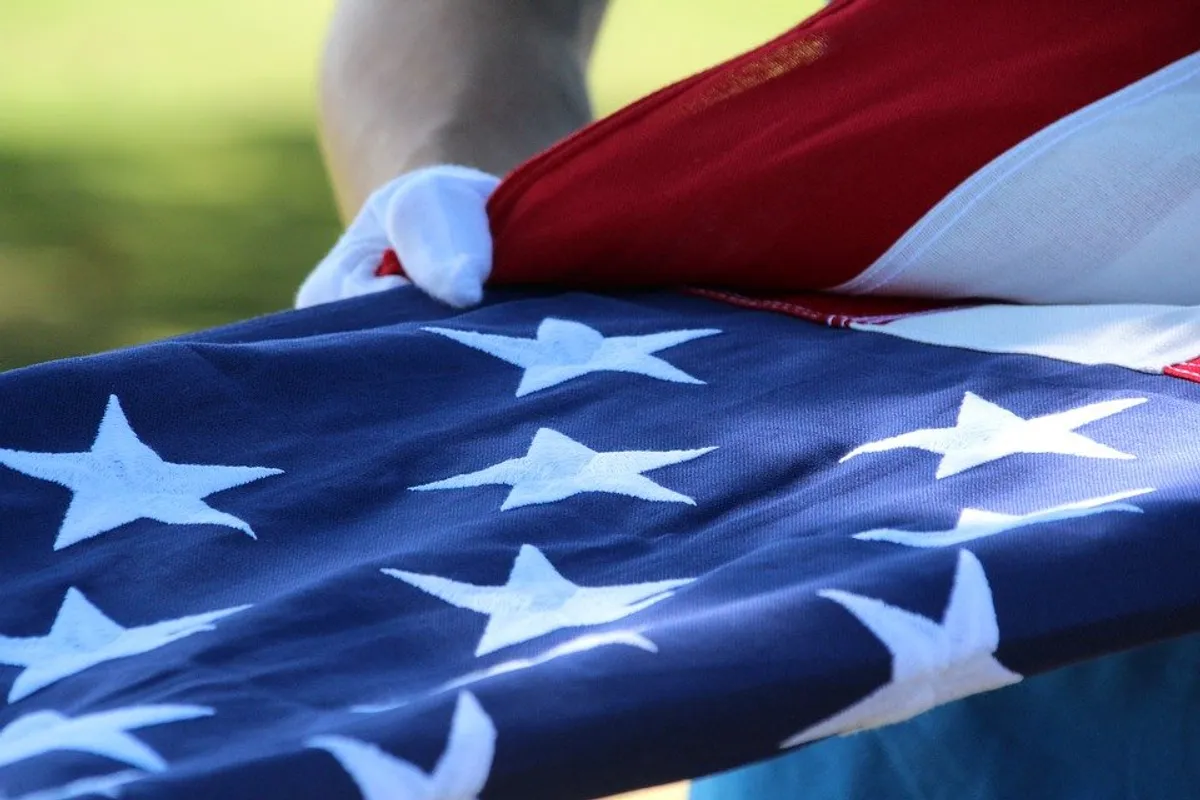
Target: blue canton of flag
[[554, 547]]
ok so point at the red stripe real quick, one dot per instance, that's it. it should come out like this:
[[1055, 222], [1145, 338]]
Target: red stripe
[[389, 264], [1188, 370], [796, 166]]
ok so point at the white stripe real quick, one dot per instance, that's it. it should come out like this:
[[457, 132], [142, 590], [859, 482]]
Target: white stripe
[[1141, 337], [1101, 207]]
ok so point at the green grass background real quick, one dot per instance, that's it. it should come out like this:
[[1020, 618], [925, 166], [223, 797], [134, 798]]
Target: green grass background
[[158, 166]]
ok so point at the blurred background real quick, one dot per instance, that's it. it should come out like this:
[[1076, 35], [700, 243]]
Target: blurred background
[[159, 170]]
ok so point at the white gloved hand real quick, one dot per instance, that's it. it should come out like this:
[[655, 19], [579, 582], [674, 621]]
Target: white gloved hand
[[435, 219]]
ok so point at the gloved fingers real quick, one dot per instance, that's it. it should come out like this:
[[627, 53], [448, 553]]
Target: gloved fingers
[[346, 273], [347, 270], [437, 222], [435, 219]]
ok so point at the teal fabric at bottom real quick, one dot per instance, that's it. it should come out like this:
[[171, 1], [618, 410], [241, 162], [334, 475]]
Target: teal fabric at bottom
[[1125, 727]]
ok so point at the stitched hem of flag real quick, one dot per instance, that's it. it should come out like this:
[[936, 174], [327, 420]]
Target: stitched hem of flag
[[865, 313], [833, 310], [836, 311]]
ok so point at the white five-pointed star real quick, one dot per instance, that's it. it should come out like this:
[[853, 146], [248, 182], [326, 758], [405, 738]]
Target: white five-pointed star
[[460, 774], [82, 636], [932, 663], [974, 523], [103, 734], [102, 785], [564, 350], [986, 432], [538, 600], [557, 467], [120, 480]]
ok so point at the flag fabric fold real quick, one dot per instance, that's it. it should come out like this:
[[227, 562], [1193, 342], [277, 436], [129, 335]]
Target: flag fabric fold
[[557, 546], [1029, 151]]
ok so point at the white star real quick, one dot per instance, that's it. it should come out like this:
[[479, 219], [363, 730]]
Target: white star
[[932, 663], [557, 467], [460, 774], [120, 480], [974, 523], [103, 785], [986, 432], [82, 636], [103, 734], [537, 600], [564, 350]]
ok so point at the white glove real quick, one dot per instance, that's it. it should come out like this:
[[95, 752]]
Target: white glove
[[436, 221]]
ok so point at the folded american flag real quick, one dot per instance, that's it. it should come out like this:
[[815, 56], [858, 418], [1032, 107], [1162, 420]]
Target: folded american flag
[[559, 546], [1036, 151]]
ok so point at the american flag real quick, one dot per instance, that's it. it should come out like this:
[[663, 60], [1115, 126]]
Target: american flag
[[567, 544], [557, 546]]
